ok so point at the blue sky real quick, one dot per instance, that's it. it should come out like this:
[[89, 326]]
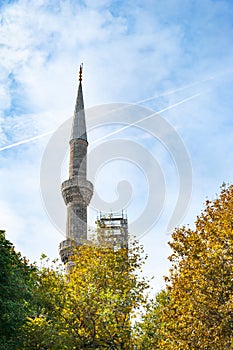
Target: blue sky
[[159, 52]]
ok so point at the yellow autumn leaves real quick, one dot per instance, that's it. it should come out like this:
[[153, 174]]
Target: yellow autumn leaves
[[196, 309], [91, 306]]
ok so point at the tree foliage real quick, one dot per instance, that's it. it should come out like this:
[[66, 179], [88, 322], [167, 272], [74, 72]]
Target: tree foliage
[[199, 310], [91, 306], [16, 283], [147, 332]]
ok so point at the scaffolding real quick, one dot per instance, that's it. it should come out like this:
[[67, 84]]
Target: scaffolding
[[112, 229]]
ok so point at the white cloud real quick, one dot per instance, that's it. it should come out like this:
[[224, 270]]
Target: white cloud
[[10, 221]]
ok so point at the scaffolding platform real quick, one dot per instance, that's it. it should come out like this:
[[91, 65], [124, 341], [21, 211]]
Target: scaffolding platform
[[112, 229]]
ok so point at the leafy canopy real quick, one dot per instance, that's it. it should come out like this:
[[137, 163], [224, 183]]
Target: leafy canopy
[[16, 284], [198, 313], [91, 306]]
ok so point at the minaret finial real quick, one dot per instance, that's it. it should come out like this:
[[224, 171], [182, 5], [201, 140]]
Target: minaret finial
[[81, 72]]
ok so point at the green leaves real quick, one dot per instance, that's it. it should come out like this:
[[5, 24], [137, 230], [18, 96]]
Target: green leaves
[[16, 283]]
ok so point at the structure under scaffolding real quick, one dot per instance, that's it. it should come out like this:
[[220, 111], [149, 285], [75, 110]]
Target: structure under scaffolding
[[112, 229]]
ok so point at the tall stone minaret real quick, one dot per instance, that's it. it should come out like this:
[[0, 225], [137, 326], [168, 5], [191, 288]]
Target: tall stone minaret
[[77, 190]]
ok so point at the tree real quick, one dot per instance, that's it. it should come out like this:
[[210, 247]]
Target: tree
[[16, 283], [91, 306], [147, 332], [199, 311]]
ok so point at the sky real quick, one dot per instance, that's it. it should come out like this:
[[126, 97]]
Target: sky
[[158, 92]]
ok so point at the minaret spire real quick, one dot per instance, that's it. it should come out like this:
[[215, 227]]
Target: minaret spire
[[77, 190], [78, 130]]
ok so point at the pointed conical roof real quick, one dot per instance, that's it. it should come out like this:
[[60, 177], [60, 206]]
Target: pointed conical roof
[[78, 130]]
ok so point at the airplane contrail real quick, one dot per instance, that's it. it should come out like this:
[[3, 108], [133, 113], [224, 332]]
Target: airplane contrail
[[182, 88], [144, 100], [26, 141], [104, 137], [187, 86], [147, 117], [110, 134]]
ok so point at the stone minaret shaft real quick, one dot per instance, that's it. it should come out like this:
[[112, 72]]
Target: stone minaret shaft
[[77, 190]]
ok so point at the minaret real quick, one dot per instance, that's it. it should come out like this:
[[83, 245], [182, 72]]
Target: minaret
[[77, 190]]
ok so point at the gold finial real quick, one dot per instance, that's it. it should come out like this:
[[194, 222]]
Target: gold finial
[[80, 72]]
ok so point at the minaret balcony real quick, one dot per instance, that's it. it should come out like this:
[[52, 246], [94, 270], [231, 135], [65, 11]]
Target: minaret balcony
[[65, 250], [77, 190]]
